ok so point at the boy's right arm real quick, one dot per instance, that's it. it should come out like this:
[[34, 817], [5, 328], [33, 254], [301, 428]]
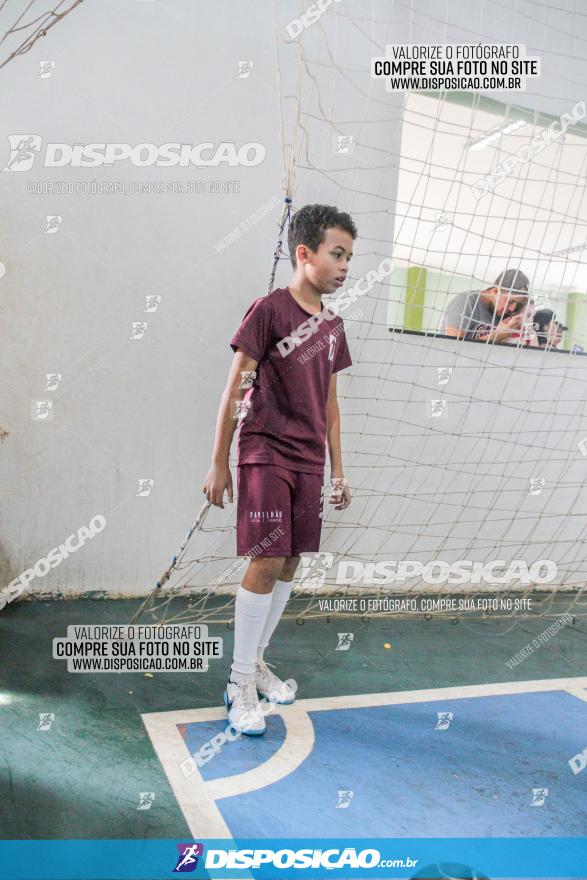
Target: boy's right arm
[[219, 477]]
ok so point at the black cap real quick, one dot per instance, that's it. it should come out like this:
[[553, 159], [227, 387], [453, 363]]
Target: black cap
[[543, 317], [513, 280]]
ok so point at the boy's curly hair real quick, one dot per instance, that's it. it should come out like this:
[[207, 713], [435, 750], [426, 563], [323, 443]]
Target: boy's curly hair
[[308, 226]]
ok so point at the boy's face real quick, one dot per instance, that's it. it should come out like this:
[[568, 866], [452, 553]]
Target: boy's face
[[326, 268]]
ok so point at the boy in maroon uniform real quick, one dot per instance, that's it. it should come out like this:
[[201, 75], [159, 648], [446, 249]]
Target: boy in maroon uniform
[[281, 391]]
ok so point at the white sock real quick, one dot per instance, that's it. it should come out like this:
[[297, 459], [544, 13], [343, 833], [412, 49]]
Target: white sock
[[250, 614], [280, 595]]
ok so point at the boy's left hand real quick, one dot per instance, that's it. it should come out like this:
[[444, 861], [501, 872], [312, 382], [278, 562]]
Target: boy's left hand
[[340, 494]]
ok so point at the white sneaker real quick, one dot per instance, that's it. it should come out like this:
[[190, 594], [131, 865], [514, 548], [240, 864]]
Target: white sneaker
[[242, 706], [273, 688]]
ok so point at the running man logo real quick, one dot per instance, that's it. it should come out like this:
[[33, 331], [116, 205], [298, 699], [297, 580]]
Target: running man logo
[[53, 380], [344, 641], [145, 486], [539, 795], [443, 375], [244, 69], [242, 409], [46, 69], [23, 151], [247, 379], [344, 799], [52, 223], [46, 719], [146, 799], [137, 330], [444, 719], [443, 221], [344, 144], [42, 410], [187, 859], [437, 409], [315, 569]]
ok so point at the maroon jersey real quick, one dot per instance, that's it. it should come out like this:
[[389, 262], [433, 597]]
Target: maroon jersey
[[297, 353]]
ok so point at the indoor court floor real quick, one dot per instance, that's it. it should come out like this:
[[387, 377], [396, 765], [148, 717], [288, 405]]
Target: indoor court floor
[[433, 736]]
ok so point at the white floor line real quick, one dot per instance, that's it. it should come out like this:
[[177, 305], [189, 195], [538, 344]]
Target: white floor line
[[197, 797], [296, 747], [575, 692], [200, 811]]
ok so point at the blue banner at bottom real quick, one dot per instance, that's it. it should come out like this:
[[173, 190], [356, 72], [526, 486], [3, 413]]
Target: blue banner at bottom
[[458, 858]]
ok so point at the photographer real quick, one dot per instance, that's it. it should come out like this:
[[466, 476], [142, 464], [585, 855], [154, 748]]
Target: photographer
[[495, 314]]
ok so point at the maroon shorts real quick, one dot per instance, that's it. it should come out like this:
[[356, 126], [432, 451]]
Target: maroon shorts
[[279, 512]]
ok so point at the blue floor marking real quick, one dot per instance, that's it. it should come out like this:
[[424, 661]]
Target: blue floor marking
[[408, 779], [234, 757]]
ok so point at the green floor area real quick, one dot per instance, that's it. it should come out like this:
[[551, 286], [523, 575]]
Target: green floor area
[[82, 778]]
